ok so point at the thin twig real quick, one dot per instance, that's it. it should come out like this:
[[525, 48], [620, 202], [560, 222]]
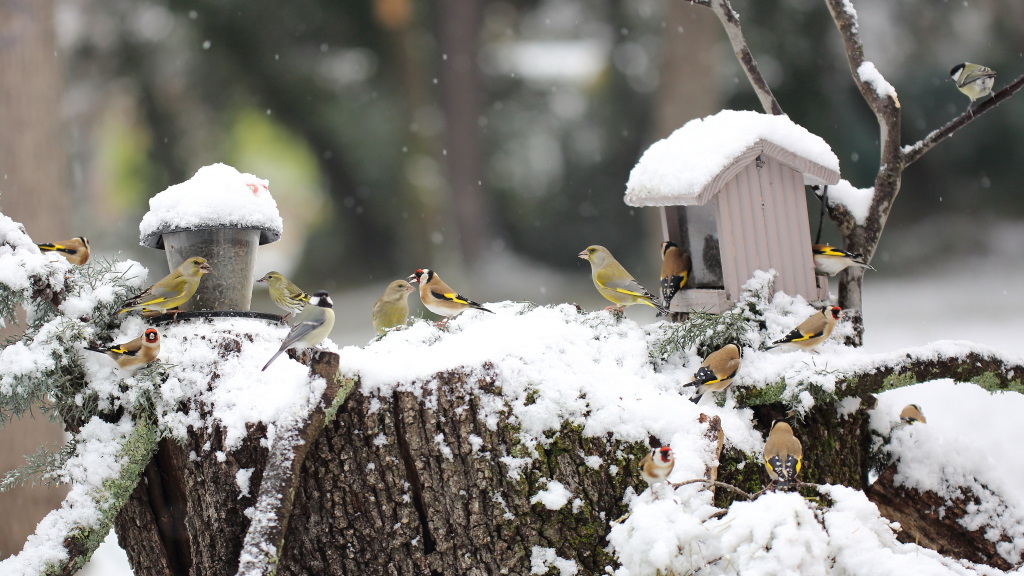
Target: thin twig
[[716, 484]]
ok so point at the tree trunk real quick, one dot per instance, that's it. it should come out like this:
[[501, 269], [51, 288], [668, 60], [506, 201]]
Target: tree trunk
[[393, 485], [933, 522]]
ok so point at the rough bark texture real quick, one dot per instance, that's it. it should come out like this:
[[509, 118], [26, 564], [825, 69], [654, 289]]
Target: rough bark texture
[[929, 520], [398, 485]]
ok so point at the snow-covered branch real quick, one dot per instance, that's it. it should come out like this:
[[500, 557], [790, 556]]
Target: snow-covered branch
[[914, 152], [829, 376], [104, 471]]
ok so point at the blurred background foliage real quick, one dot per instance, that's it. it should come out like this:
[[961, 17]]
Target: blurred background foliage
[[458, 134]]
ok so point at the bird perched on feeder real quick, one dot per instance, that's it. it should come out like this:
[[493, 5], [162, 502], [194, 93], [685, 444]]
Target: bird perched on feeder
[[812, 331], [75, 250], [974, 80], [172, 291], [829, 261], [614, 283], [392, 308], [439, 297], [783, 455], [675, 271], [133, 354], [284, 293], [657, 465], [311, 326], [912, 413], [717, 371]]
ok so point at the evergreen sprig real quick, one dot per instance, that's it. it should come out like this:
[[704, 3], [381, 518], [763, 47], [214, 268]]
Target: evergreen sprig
[[42, 466], [741, 324]]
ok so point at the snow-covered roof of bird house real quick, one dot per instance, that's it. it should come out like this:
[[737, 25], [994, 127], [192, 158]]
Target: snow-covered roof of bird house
[[695, 161], [217, 196]]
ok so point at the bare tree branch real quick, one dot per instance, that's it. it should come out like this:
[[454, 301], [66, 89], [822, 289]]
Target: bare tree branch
[[912, 153]]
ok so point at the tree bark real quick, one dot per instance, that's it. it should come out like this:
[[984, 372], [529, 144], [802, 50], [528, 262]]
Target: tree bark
[[934, 522]]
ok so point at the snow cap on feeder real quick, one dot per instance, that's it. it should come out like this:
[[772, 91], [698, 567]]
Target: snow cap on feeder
[[222, 215], [731, 191]]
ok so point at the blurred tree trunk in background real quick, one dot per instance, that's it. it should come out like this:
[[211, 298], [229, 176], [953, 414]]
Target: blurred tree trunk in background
[[423, 198], [688, 81], [33, 191], [458, 36]]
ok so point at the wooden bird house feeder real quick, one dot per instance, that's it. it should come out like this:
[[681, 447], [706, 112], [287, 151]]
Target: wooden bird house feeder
[[219, 214], [731, 192]]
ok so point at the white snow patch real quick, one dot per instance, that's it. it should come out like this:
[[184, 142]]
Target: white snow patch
[[541, 559], [675, 169], [237, 393], [856, 200], [871, 76], [242, 478], [553, 496], [216, 196]]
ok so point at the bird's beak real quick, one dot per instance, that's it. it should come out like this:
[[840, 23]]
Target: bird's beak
[[584, 255], [412, 279], [206, 267]]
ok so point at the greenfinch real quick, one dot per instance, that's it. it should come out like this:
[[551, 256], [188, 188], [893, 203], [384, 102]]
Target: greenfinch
[[311, 326], [392, 308], [812, 331], [439, 297], [75, 250], [912, 413], [657, 465], [783, 454], [135, 353], [172, 291], [829, 261], [284, 293], [675, 271], [614, 283], [717, 370]]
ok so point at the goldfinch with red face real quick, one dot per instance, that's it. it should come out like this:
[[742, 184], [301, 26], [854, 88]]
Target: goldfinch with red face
[[912, 413], [657, 465], [75, 250], [813, 331], [133, 354], [675, 271], [783, 455], [974, 80], [717, 371], [829, 261], [614, 283], [172, 290], [311, 326], [439, 297]]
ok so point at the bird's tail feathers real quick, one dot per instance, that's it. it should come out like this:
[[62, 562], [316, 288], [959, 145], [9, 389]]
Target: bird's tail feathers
[[272, 358]]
